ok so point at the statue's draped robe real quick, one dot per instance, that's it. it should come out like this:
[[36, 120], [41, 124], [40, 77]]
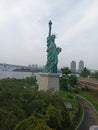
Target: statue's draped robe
[[52, 55]]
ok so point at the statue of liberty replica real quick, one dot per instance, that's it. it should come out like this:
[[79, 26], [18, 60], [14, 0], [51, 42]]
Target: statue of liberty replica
[[50, 79], [52, 53]]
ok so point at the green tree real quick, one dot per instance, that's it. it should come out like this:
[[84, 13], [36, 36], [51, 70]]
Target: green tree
[[85, 72], [94, 75], [73, 80], [31, 82], [64, 83], [42, 126], [27, 124], [7, 120], [25, 108], [65, 71], [67, 80], [54, 117]]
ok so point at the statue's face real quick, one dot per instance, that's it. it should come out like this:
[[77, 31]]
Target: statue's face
[[53, 36]]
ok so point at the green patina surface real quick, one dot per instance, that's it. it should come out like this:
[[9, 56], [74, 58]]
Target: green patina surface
[[52, 53]]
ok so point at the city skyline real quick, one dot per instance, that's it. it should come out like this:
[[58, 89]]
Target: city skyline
[[24, 30]]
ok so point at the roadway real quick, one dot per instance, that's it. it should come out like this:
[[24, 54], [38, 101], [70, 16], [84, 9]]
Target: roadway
[[90, 115]]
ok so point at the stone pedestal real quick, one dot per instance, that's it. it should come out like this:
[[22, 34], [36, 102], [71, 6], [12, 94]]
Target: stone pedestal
[[49, 81]]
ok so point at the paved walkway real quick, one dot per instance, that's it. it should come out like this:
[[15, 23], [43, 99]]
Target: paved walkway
[[90, 116]]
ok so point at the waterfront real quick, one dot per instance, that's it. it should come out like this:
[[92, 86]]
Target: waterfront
[[12, 74]]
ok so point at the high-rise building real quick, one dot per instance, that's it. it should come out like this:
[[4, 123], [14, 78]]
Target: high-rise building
[[73, 66], [81, 65]]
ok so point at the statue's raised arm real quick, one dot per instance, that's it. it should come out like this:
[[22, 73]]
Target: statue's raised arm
[[50, 27]]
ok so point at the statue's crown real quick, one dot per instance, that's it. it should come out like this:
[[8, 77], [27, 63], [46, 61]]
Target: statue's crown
[[53, 36]]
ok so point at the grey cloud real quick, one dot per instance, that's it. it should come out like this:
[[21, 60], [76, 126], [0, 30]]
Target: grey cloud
[[24, 29]]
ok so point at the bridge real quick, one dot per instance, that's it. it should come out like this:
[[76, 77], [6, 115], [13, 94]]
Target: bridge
[[89, 82]]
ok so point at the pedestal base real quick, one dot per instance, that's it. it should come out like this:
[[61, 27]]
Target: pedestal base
[[49, 81]]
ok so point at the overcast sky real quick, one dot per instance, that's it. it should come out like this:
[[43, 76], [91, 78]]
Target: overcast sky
[[24, 30]]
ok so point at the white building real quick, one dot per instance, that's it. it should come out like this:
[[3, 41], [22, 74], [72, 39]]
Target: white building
[[73, 66], [81, 65]]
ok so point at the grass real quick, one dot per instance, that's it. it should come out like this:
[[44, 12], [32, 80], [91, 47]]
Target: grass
[[92, 96], [70, 97]]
